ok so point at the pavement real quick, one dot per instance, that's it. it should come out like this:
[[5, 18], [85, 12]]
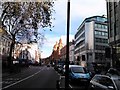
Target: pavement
[[6, 72]]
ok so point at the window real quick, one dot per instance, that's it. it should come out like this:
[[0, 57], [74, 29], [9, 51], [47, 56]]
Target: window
[[95, 25], [104, 34], [96, 79], [106, 27], [77, 69], [100, 19], [110, 6], [80, 31], [100, 26], [3, 50], [98, 33], [106, 81]]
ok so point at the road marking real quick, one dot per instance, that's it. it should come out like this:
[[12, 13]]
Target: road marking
[[62, 77], [22, 80], [58, 73], [70, 86]]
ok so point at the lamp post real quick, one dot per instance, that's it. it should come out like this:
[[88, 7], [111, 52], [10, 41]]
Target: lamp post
[[67, 49]]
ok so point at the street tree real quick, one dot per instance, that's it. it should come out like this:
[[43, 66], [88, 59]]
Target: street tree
[[21, 18]]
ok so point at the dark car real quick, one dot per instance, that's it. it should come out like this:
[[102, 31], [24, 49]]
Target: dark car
[[48, 65], [104, 82], [113, 71], [60, 69]]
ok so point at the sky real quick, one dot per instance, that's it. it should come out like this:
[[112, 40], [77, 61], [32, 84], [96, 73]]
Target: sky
[[79, 10]]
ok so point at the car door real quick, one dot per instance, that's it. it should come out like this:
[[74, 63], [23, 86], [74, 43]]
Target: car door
[[94, 83], [101, 83], [107, 83]]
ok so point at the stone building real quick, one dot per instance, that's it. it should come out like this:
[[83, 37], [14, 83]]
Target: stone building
[[113, 14], [27, 51], [5, 43], [55, 56]]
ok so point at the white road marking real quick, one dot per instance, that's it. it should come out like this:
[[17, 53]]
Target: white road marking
[[62, 77], [57, 73], [70, 86], [22, 80]]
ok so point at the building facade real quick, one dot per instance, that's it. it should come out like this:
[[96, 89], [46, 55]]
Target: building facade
[[113, 13], [55, 56], [91, 39], [63, 53], [28, 51], [5, 43], [71, 51]]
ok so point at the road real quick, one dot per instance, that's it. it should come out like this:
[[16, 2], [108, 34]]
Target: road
[[35, 77]]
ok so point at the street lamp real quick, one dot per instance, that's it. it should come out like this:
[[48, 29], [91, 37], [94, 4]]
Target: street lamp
[[67, 49]]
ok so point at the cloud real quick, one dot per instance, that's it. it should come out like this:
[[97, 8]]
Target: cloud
[[51, 40], [80, 9], [86, 8]]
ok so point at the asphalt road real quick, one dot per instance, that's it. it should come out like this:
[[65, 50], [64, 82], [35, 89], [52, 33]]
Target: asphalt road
[[35, 77]]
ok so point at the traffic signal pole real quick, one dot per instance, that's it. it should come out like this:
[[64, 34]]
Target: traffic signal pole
[[67, 49]]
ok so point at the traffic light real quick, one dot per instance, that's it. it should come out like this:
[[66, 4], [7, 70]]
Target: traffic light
[[107, 52]]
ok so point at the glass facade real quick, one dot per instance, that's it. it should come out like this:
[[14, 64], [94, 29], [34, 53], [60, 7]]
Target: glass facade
[[101, 33], [100, 19], [79, 31], [101, 26], [101, 40]]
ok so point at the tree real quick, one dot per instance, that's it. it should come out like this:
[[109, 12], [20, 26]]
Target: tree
[[22, 17]]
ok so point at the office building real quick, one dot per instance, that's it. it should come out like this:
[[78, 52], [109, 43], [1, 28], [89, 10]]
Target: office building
[[91, 39]]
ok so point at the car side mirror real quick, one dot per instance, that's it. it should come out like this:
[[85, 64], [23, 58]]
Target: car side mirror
[[111, 87]]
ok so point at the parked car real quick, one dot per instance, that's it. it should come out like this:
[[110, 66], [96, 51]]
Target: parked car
[[48, 65], [56, 67], [113, 71], [63, 70], [104, 82], [60, 69], [79, 73]]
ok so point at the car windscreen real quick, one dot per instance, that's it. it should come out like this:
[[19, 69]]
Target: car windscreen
[[78, 69]]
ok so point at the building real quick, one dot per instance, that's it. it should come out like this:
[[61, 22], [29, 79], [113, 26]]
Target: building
[[71, 51], [91, 39], [113, 13], [5, 43], [63, 53], [27, 51], [55, 56]]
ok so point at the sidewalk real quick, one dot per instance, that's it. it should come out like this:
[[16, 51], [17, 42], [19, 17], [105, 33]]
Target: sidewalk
[[6, 72]]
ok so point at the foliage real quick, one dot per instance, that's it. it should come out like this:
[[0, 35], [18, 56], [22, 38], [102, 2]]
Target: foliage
[[23, 18], [20, 17]]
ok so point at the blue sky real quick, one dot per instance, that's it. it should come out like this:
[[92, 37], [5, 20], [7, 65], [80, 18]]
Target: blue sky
[[80, 9]]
